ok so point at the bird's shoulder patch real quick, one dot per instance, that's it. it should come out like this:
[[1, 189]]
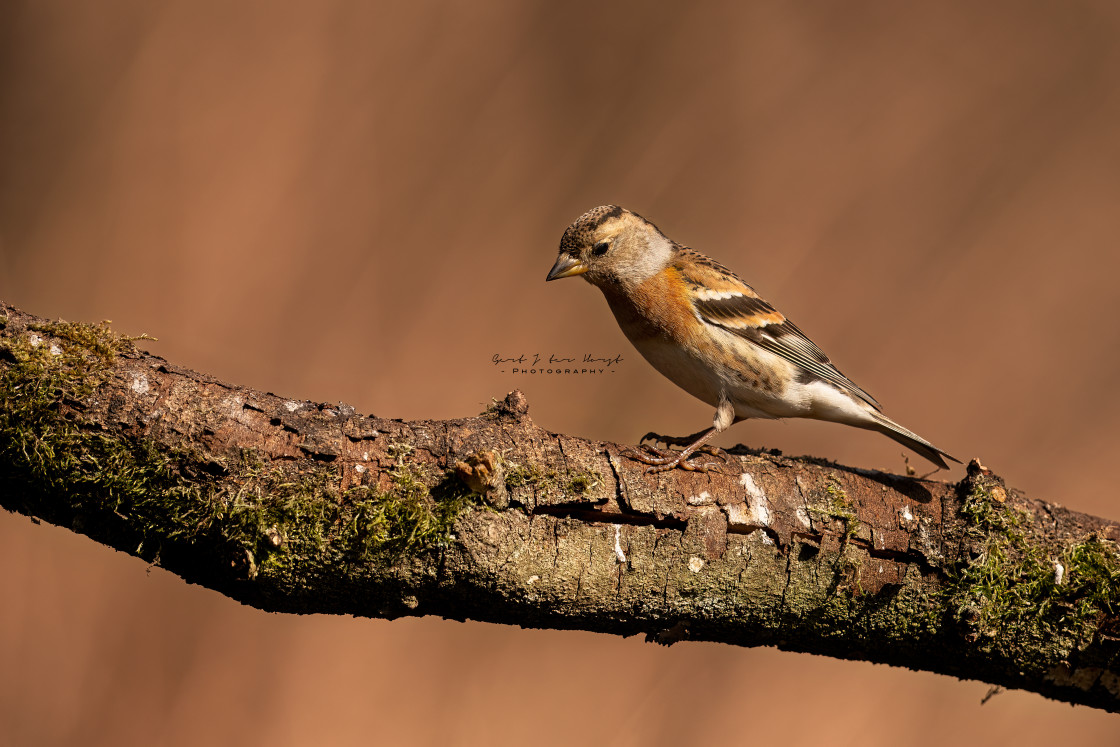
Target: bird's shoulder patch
[[706, 276], [720, 297]]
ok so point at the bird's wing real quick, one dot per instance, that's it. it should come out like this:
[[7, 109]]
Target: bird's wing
[[721, 299]]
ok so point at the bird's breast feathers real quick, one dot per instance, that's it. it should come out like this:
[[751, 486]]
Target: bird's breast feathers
[[707, 360]]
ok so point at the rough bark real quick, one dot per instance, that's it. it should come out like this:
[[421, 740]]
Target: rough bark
[[294, 506]]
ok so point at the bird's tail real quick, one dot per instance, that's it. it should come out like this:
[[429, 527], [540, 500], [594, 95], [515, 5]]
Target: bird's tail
[[911, 440]]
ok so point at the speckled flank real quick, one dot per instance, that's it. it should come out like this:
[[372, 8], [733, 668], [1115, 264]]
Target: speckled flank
[[748, 369], [756, 377]]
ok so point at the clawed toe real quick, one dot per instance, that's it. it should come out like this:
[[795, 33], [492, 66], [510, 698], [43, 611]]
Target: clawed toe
[[663, 461], [714, 451], [647, 454]]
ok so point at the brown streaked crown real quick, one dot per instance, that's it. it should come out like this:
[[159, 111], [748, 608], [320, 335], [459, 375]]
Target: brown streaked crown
[[580, 232]]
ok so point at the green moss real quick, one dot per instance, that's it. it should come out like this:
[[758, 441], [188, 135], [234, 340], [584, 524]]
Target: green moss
[[42, 383], [492, 411], [838, 506], [1091, 581], [835, 504], [540, 479], [1019, 583], [533, 475], [283, 522], [986, 509], [580, 483], [146, 500], [409, 517]]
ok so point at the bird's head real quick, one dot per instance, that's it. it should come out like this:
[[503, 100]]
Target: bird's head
[[611, 246]]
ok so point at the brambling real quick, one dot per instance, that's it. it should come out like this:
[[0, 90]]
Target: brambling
[[705, 329]]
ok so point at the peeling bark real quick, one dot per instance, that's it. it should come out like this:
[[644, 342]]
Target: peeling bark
[[295, 506]]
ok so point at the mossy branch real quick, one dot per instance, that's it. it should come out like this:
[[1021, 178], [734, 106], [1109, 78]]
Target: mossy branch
[[301, 507]]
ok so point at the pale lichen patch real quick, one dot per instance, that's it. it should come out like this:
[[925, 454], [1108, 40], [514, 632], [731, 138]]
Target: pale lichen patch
[[747, 515], [906, 519], [139, 383], [695, 564], [736, 514], [618, 544], [753, 491], [702, 499]]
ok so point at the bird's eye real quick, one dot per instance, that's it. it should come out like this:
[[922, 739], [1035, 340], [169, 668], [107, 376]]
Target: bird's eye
[[600, 249]]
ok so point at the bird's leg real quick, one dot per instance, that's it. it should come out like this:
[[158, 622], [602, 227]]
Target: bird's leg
[[660, 461]]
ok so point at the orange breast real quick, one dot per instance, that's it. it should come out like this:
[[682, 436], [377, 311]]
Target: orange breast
[[658, 308]]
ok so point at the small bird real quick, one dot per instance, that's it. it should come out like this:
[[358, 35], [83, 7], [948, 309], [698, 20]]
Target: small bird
[[712, 335]]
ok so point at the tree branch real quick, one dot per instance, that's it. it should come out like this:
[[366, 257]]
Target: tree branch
[[300, 507]]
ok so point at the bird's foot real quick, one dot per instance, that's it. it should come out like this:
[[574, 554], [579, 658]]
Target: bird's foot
[[681, 441], [663, 461]]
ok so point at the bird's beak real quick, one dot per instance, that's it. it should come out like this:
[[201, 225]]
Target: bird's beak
[[566, 266]]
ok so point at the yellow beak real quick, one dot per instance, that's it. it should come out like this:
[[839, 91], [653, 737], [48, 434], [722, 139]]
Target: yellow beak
[[566, 266]]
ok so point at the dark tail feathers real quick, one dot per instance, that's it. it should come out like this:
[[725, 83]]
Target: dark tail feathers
[[912, 441]]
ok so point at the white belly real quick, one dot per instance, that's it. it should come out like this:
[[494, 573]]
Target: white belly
[[686, 371], [773, 395]]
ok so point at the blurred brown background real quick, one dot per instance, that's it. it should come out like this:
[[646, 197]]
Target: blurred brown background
[[353, 201]]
